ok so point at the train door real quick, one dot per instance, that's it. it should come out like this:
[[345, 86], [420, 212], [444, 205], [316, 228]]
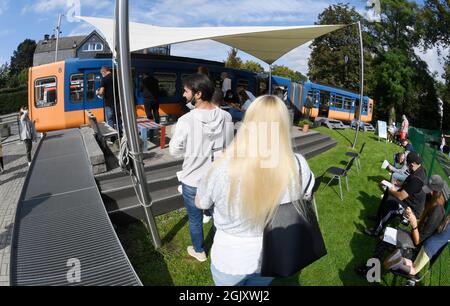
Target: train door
[[92, 79], [324, 106]]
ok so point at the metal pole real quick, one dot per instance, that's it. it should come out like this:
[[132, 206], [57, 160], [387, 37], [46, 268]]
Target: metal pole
[[270, 79], [58, 27], [361, 85], [129, 116]]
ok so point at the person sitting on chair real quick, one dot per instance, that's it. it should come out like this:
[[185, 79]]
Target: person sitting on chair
[[429, 249], [399, 174], [409, 195]]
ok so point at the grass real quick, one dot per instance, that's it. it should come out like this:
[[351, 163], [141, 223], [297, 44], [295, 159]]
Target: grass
[[341, 223]]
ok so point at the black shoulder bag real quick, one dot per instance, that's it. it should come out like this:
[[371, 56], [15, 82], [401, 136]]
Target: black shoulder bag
[[292, 239]]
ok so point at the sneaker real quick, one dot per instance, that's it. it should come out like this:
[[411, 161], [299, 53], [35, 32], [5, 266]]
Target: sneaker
[[206, 219], [199, 256], [29, 164]]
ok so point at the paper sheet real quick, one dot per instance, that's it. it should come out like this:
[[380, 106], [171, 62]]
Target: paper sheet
[[385, 164], [390, 235]]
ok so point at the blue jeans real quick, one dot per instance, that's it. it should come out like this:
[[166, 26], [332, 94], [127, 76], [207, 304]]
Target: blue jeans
[[110, 116], [223, 279], [399, 177], [195, 216]]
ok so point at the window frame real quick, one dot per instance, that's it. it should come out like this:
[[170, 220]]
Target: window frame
[[83, 88], [56, 90], [155, 75], [94, 98]]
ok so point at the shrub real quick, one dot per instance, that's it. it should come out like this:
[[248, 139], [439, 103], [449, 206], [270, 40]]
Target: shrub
[[301, 123]]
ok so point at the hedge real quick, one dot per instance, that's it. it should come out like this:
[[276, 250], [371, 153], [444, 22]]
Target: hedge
[[11, 102]]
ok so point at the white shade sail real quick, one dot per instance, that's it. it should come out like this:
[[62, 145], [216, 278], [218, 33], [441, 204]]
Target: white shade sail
[[265, 43]]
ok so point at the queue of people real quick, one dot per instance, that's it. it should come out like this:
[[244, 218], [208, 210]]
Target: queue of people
[[212, 179]]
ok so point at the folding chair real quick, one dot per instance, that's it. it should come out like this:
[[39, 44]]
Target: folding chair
[[357, 156], [340, 173]]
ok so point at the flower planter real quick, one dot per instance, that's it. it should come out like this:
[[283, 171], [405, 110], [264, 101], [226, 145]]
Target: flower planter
[[305, 128]]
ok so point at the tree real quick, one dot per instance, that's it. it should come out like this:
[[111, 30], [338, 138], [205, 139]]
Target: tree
[[233, 61], [4, 75], [335, 57], [288, 73], [393, 85], [398, 27], [435, 23], [22, 57], [252, 66]]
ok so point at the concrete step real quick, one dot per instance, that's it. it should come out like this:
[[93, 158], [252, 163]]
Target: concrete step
[[311, 151]]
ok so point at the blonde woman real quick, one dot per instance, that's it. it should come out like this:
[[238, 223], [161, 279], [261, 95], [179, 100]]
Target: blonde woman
[[258, 172]]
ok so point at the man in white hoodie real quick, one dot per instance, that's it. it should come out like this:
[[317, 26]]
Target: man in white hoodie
[[199, 136]]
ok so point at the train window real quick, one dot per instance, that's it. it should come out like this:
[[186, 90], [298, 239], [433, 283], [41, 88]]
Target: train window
[[364, 108], [242, 83], [338, 101], [348, 103], [167, 84], [45, 92], [91, 78], [76, 88]]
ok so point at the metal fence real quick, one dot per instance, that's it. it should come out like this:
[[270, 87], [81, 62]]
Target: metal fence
[[427, 143]]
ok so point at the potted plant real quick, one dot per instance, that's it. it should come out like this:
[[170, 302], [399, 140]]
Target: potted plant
[[305, 124]]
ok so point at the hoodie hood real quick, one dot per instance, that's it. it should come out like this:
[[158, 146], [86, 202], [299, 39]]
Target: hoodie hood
[[212, 121]]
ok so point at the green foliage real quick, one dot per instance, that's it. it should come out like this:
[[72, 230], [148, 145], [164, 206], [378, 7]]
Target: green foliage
[[335, 57], [22, 57], [284, 71], [12, 99], [392, 82], [252, 66], [301, 123], [435, 21], [233, 61]]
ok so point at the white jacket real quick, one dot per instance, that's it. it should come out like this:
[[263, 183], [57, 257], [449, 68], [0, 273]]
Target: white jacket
[[200, 136]]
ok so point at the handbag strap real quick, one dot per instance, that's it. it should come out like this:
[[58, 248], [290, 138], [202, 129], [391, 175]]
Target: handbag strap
[[300, 171]]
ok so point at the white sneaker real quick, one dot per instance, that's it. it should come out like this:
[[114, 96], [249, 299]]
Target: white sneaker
[[29, 164], [199, 256], [206, 219], [180, 189]]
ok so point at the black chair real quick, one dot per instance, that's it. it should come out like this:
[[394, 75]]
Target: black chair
[[357, 156], [340, 173]]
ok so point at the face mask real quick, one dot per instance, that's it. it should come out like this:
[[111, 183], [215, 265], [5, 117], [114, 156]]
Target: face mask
[[190, 106]]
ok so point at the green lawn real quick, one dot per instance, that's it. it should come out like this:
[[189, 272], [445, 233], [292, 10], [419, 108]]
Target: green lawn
[[341, 223]]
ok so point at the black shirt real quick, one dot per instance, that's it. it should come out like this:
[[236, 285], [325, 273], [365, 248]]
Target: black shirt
[[108, 95], [413, 186], [150, 88]]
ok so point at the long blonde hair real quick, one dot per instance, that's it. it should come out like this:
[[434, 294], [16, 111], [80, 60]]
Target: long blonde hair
[[262, 176]]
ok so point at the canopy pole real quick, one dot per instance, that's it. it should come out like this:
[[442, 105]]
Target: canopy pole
[[361, 85], [270, 80], [129, 116]]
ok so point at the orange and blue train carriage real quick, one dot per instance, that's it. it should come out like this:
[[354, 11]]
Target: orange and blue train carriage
[[60, 92]]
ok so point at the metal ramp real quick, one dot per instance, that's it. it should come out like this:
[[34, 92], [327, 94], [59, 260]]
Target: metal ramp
[[60, 217]]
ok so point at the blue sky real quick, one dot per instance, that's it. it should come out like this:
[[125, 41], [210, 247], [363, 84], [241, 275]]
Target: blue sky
[[20, 19]]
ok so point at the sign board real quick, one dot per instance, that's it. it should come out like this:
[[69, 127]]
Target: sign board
[[382, 129]]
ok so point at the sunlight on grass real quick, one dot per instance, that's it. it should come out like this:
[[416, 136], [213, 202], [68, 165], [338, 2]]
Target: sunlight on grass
[[341, 222]]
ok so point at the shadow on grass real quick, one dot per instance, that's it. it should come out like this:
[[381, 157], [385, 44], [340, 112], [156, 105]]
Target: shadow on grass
[[362, 246], [345, 137], [174, 231], [149, 263]]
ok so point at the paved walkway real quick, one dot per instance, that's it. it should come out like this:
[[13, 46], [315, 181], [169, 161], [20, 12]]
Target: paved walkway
[[11, 182]]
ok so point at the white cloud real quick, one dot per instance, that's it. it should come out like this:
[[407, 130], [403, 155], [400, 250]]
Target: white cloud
[[434, 61], [3, 6], [227, 12], [47, 6]]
